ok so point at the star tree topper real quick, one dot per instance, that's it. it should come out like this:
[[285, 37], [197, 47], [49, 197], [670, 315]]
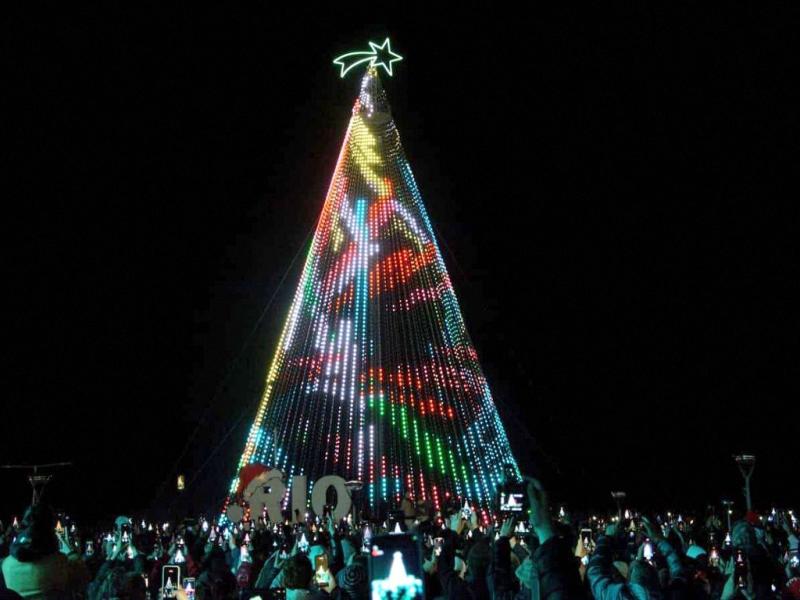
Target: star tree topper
[[380, 55]]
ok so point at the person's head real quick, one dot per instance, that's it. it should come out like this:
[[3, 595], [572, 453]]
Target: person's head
[[214, 560], [478, 560], [297, 572], [123, 585], [36, 537], [353, 580], [743, 535], [643, 573]]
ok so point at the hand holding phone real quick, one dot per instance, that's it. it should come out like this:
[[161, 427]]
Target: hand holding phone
[[170, 580], [322, 574]]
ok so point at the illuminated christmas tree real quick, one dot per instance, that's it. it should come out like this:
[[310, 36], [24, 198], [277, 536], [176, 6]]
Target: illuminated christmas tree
[[375, 377]]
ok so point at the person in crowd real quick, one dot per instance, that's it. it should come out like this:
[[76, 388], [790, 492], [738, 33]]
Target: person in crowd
[[456, 578], [642, 577], [553, 570], [540, 555], [353, 580], [298, 580], [215, 582], [42, 565]]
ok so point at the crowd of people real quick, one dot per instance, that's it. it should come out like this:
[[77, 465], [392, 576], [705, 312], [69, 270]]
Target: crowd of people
[[540, 553]]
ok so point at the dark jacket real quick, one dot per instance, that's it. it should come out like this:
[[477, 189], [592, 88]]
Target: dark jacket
[[557, 571], [501, 577], [453, 587], [600, 573]]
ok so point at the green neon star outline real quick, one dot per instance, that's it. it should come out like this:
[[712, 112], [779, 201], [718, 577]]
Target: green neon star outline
[[376, 57], [387, 48]]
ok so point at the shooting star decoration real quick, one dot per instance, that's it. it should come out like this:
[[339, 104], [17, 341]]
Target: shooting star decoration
[[379, 56]]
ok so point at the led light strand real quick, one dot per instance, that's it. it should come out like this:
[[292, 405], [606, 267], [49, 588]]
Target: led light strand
[[374, 376]]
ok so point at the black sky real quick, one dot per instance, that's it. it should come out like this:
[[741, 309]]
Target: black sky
[[615, 195]]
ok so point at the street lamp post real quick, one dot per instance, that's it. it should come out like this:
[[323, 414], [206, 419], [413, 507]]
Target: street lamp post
[[746, 464], [38, 480], [728, 510], [618, 498]]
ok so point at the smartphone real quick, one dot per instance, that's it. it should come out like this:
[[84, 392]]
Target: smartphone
[[512, 502], [713, 557], [321, 570], [648, 550], [189, 587], [395, 567], [170, 580], [586, 536], [397, 521], [302, 543], [437, 545], [89, 548]]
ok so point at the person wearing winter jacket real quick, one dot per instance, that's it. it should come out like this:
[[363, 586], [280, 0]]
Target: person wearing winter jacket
[[643, 580], [215, 582], [452, 569], [40, 564], [551, 572]]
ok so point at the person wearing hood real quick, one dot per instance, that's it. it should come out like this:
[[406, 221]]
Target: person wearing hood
[[41, 565], [551, 572], [762, 571], [643, 579], [353, 580], [452, 570]]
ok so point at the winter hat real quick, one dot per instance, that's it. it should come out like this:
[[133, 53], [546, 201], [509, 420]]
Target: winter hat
[[353, 580], [792, 589], [752, 518]]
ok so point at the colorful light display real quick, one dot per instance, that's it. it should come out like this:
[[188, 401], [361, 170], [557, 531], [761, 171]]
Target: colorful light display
[[375, 377], [378, 56]]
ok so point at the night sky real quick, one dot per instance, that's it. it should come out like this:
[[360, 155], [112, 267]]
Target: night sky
[[615, 196]]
